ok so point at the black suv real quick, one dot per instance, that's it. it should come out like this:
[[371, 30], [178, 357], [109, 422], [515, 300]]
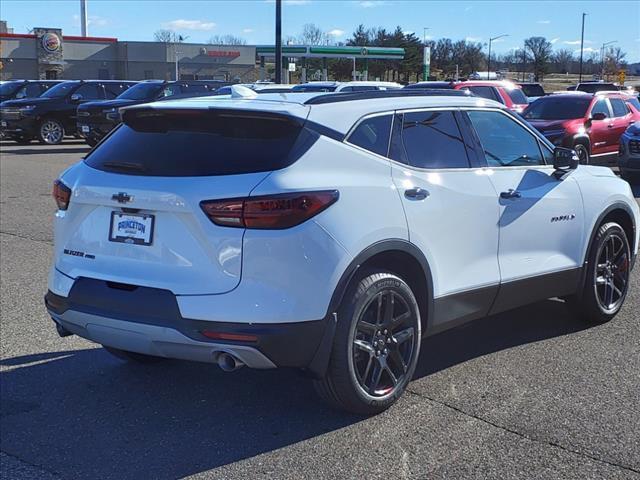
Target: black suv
[[96, 119], [16, 89], [52, 115]]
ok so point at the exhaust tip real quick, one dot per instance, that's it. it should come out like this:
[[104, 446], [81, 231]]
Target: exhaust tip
[[63, 332], [228, 363]]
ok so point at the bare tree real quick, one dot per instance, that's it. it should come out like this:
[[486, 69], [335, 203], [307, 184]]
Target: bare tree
[[563, 58], [313, 35], [226, 40], [168, 36], [614, 59], [540, 50]]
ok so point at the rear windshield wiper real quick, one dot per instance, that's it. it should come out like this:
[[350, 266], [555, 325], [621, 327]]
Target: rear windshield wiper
[[124, 166]]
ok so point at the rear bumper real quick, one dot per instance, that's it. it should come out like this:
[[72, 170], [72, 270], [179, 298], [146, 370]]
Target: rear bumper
[[148, 321]]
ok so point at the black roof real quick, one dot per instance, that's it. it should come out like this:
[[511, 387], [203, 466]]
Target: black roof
[[370, 94]]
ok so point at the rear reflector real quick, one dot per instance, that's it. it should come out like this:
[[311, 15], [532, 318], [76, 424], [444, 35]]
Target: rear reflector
[[238, 337], [270, 211], [61, 194]]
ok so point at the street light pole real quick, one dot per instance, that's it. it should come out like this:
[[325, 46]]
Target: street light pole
[[425, 73], [278, 41], [489, 59], [581, 47], [602, 56]]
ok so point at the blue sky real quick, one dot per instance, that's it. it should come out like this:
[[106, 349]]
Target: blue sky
[[558, 20]]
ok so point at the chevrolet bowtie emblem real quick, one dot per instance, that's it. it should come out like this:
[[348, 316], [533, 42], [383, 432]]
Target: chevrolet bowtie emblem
[[122, 197]]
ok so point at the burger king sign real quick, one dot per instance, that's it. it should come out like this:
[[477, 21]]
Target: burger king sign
[[50, 42]]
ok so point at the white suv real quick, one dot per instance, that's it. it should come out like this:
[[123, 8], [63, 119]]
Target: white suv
[[328, 233]]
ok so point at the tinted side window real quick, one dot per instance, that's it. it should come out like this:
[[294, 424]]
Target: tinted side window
[[601, 107], [505, 142], [171, 90], [432, 139], [373, 134], [33, 90], [114, 89], [619, 108], [194, 88], [90, 91], [485, 92]]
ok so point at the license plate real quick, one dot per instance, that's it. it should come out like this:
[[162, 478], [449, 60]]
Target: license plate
[[85, 128], [131, 228], [3, 124]]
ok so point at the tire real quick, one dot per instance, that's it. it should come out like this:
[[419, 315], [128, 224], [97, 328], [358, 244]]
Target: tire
[[583, 153], [375, 348], [50, 132], [132, 356], [607, 279], [91, 142]]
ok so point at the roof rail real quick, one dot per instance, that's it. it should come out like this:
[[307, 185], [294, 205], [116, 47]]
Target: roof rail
[[417, 92]]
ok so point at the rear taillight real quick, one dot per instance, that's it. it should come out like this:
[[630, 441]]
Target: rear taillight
[[270, 211], [61, 194]]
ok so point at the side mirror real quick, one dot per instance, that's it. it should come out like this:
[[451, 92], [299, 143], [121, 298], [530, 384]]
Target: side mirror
[[76, 97], [564, 160], [599, 116]]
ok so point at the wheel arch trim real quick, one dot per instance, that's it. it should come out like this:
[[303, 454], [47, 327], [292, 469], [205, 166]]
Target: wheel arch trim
[[320, 362]]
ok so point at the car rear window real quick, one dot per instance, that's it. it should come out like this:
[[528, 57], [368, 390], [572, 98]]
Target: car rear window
[[194, 143], [557, 108], [516, 96], [533, 90]]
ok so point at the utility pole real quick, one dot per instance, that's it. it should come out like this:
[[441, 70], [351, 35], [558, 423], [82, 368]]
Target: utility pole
[[604, 45], [176, 53], [489, 60], [278, 41], [581, 47]]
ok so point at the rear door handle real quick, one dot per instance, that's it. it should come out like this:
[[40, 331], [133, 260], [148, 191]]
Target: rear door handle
[[510, 194], [416, 193]]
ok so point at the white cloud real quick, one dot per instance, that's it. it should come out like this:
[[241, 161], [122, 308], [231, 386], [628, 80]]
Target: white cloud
[[336, 32], [94, 20], [575, 42], [182, 24], [554, 40], [372, 3], [247, 30], [587, 50], [473, 39], [544, 22]]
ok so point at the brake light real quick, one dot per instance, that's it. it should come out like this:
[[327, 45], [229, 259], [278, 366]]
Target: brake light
[[61, 194], [269, 211]]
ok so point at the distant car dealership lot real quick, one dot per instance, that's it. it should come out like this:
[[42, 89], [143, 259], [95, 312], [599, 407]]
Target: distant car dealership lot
[[525, 394]]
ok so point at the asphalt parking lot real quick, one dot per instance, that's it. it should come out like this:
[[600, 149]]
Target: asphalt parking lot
[[527, 394]]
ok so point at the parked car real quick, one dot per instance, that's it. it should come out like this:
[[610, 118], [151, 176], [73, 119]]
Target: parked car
[[96, 119], [533, 91], [593, 87], [505, 92], [328, 233], [345, 86], [629, 152], [590, 124], [431, 84], [52, 115], [16, 89]]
